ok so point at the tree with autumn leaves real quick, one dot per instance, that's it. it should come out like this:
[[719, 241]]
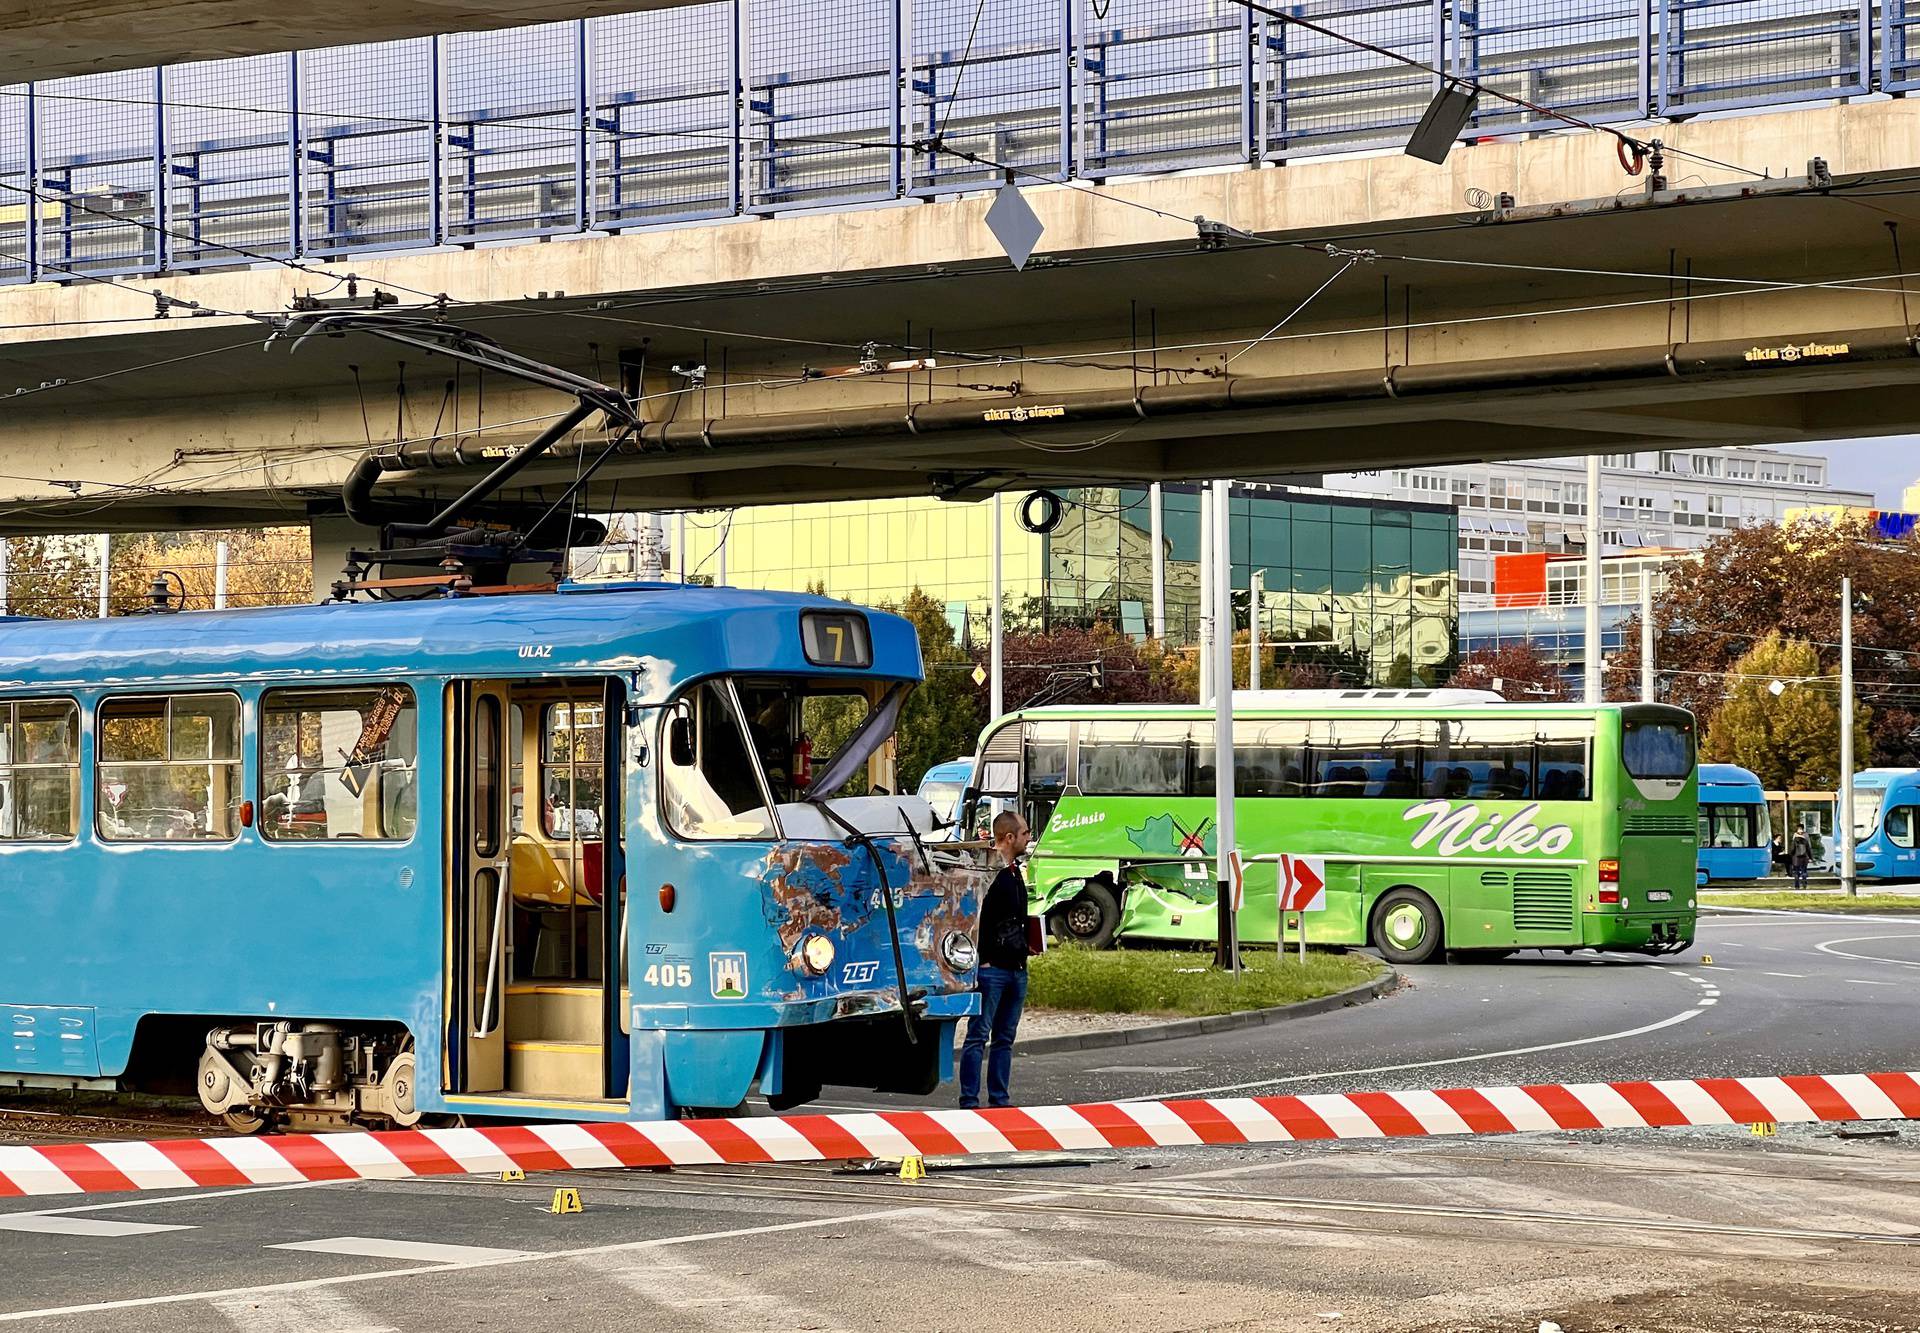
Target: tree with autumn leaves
[[59, 577], [1741, 588]]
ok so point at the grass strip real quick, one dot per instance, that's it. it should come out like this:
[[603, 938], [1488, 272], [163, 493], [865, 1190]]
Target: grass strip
[[1132, 981]]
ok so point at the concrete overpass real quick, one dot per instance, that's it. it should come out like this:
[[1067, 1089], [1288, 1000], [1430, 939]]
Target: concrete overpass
[[1525, 299]]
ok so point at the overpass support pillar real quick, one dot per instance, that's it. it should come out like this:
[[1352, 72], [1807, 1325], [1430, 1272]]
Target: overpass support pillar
[[332, 536]]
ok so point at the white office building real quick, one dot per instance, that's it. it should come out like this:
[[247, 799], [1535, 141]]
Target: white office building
[[1655, 498]]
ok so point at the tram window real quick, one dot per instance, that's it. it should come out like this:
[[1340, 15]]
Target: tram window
[[1723, 825], [1133, 758], [1900, 823], [338, 764], [169, 768], [710, 781], [39, 770], [516, 769], [798, 728], [573, 770]]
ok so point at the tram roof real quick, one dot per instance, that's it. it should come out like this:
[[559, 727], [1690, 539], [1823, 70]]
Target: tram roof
[[665, 633]]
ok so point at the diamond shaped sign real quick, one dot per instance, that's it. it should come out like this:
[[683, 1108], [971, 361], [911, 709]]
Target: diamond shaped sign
[[979, 675], [1014, 224]]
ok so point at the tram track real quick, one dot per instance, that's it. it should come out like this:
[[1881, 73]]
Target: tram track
[[1355, 1216]]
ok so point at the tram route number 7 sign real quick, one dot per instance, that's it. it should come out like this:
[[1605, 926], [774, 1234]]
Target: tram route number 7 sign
[[1302, 883]]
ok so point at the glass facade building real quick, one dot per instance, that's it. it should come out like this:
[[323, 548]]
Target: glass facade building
[[1371, 578]]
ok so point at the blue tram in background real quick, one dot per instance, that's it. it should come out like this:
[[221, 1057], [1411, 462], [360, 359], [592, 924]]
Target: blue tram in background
[[586, 855], [1886, 823], [1736, 831]]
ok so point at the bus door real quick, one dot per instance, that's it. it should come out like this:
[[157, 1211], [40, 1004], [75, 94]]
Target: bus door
[[479, 899]]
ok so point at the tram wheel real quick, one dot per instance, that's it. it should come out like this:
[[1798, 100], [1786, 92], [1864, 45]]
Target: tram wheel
[[245, 1120], [1089, 918], [1406, 926]]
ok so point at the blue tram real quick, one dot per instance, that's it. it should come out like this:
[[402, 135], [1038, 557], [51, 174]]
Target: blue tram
[[587, 855], [1736, 834], [1886, 823]]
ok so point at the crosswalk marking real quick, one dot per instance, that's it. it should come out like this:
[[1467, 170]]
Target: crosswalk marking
[[56, 1224], [700, 1294], [420, 1251]]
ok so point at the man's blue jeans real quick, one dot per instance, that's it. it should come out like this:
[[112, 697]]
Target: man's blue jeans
[[1003, 994]]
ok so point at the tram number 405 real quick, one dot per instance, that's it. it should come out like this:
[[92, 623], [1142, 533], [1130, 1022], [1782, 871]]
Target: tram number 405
[[668, 974]]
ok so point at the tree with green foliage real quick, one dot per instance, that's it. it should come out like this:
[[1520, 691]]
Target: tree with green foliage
[[1789, 739], [942, 719]]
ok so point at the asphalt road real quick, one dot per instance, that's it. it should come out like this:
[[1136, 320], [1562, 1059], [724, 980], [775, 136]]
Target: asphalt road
[[1671, 1230]]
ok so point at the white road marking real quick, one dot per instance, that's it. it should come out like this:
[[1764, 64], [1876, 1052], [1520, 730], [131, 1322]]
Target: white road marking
[[419, 1251], [1681, 1017], [184, 1196], [298, 1312], [1856, 981], [1709, 1000], [52, 1224], [686, 1287], [974, 1236], [1827, 948], [1795, 976], [1782, 915]]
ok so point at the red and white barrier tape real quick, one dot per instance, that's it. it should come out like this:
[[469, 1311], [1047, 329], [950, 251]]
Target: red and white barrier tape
[[104, 1168]]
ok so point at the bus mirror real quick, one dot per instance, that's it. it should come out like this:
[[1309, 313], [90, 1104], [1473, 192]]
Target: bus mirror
[[680, 741]]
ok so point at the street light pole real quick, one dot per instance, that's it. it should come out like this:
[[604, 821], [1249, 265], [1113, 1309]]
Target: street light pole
[[1844, 829], [1647, 684], [997, 696], [1222, 661], [1594, 693], [1157, 533], [1256, 587]]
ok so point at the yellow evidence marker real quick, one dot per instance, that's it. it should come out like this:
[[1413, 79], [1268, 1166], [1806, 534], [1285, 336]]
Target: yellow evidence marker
[[1763, 1129], [913, 1167], [513, 1173], [565, 1201]]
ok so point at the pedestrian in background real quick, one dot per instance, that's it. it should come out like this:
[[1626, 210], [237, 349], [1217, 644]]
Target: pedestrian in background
[[1800, 858], [1003, 970]]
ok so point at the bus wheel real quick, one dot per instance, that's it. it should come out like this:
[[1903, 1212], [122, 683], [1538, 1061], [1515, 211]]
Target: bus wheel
[[1090, 918], [1406, 926]]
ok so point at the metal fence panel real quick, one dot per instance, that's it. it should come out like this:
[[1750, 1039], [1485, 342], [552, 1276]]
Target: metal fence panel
[[1737, 53], [666, 138], [515, 125], [100, 164], [1321, 94], [369, 146], [1587, 58], [229, 160], [824, 123], [1899, 44], [17, 205], [990, 79], [1164, 84]]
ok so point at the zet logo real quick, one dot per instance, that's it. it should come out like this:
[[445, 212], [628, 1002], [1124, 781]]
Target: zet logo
[[729, 975], [859, 974]]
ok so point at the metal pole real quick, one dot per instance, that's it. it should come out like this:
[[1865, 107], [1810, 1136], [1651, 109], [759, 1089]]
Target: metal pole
[[106, 551], [3, 576], [220, 576], [1844, 824], [1223, 731], [648, 537], [1158, 535], [680, 544], [1594, 691], [1648, 688], [1256, 589], [720, 553], [1206, 644], [997, 686]]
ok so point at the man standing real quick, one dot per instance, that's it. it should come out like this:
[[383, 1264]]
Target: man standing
[[1800, 857], [1003, 970]]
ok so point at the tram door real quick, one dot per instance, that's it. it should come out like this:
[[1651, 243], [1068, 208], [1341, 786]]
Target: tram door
[[479, 907]]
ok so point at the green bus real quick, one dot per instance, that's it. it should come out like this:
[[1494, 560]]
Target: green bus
[[1445, 821]]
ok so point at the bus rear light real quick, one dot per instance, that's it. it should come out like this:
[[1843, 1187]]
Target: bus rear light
[[1610, 897], [1609, 872]]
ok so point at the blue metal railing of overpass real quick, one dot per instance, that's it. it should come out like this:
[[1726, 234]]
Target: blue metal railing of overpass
[[740, 107]]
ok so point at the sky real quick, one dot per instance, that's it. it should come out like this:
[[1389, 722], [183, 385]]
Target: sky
[[1884, 466]]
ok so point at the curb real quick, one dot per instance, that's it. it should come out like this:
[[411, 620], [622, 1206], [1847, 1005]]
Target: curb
[[1198, 1027]]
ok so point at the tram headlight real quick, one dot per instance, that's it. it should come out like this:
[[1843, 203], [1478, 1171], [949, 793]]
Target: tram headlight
[[959, 951], [816, 954]]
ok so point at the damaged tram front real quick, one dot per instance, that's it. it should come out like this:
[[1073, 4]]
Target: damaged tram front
[[607, 853]]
